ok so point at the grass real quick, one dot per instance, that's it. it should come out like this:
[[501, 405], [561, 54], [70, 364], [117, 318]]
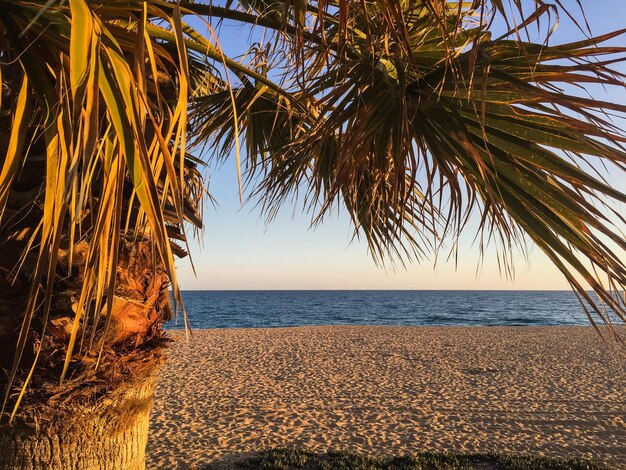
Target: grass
[[288, 459]]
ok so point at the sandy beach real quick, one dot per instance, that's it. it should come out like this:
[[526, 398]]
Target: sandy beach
[[554, 391]]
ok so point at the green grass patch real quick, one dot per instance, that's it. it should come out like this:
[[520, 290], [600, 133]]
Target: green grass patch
[[288, 459]]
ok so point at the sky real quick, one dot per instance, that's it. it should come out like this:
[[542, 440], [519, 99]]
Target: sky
[[238, 249]]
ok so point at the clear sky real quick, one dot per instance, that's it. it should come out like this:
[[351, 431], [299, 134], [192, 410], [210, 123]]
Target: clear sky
[[239, 250]]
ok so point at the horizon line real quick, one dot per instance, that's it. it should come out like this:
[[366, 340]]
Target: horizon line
[[377, 290]]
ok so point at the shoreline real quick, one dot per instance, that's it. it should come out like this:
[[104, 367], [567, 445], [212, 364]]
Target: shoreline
[[181, 331], [388, 390]]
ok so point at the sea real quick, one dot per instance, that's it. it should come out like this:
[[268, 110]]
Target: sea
[[270, 309]]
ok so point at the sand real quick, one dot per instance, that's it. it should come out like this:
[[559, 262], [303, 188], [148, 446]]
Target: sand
[[553, 391]]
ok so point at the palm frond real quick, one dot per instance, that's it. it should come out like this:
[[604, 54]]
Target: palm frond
[[415, 128], [114, 142]]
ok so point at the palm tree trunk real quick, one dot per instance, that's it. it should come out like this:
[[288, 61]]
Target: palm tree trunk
[[98, 417], [110, 434]]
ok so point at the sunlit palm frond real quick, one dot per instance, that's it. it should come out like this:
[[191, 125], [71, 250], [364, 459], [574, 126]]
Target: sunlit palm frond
[[103, 105]]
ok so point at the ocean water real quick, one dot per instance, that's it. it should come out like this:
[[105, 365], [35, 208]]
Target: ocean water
[[263, 309]]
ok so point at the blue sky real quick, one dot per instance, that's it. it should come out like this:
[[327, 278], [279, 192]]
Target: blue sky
[[239, 250]]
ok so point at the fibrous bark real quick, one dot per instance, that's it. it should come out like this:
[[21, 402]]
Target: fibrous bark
[[110, 433], [98, 417]]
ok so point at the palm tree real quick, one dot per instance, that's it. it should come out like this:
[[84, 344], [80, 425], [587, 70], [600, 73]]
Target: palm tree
[[96, 186], [409, 114]]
